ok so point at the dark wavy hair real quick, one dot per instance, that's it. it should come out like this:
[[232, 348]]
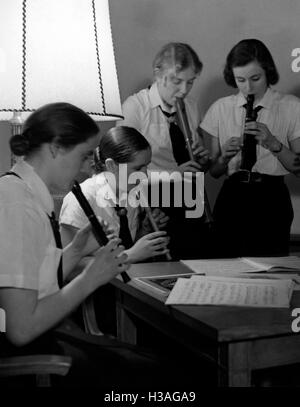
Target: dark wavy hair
[[63, 123], [247, 51], [177, 54], [121, 144]]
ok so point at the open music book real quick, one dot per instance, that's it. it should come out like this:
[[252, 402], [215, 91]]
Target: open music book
[[275, 268], [243, 265], [218, 290], [268, 268]]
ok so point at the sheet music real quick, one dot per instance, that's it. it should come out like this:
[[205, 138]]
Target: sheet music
[[242, 265], [287, 262], [231, 291], [219, 266]]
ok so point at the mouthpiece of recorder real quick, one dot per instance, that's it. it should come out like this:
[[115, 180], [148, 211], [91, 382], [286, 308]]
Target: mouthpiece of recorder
[[250, 98]]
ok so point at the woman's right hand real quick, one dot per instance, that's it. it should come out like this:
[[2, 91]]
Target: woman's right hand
[[231, 148], [297, 160], [150, 245], [84, 242], [190, 166], [107, 263], [297, 165]]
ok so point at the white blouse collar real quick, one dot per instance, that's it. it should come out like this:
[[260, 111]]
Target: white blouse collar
[[35, 183]]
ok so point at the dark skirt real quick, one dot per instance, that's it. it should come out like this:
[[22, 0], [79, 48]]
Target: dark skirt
[[190, 238], [253, 219]]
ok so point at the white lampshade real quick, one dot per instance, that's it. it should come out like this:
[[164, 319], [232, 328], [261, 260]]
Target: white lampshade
[[57, 51]]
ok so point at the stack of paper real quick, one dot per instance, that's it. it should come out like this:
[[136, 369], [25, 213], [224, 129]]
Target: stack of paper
[[209, 290]]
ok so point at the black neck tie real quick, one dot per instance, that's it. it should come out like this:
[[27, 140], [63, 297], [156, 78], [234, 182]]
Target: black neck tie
[[249, 144], [124, 233], [55, 228], [180, 151]]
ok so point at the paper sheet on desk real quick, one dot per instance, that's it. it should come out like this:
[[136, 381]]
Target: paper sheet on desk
[[199, 290]]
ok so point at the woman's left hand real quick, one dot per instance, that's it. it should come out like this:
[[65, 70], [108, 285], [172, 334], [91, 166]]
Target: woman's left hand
[[160, 219], [84, 241], [201, 154], [262, 135]]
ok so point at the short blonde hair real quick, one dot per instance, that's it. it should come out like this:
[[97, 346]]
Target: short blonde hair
[[179, 55]]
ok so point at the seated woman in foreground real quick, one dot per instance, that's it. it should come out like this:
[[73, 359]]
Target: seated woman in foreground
[[56, 141]]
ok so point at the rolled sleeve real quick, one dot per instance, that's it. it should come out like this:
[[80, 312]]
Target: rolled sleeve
[[211, 120], [71, 212], [131, 113]]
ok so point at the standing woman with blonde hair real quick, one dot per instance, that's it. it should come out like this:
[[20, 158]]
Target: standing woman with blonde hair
[[152, 111]]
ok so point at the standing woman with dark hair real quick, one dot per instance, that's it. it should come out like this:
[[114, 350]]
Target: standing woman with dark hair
[[253, 212], [56, 141], [122, 151]]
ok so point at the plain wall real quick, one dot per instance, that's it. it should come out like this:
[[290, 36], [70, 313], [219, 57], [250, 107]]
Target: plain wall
[[211, 27]]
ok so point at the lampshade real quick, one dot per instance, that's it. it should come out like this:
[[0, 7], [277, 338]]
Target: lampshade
[[57, 51]]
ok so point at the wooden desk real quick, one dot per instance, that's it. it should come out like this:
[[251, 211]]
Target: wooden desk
[[237, 340]]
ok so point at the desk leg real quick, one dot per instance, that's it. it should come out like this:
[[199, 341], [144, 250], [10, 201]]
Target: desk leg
[[126, 328], [235, 357]]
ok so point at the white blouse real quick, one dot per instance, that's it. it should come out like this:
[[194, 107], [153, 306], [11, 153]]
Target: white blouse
[[281, 113], [102, 198], [28, 255], [142, 111]]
